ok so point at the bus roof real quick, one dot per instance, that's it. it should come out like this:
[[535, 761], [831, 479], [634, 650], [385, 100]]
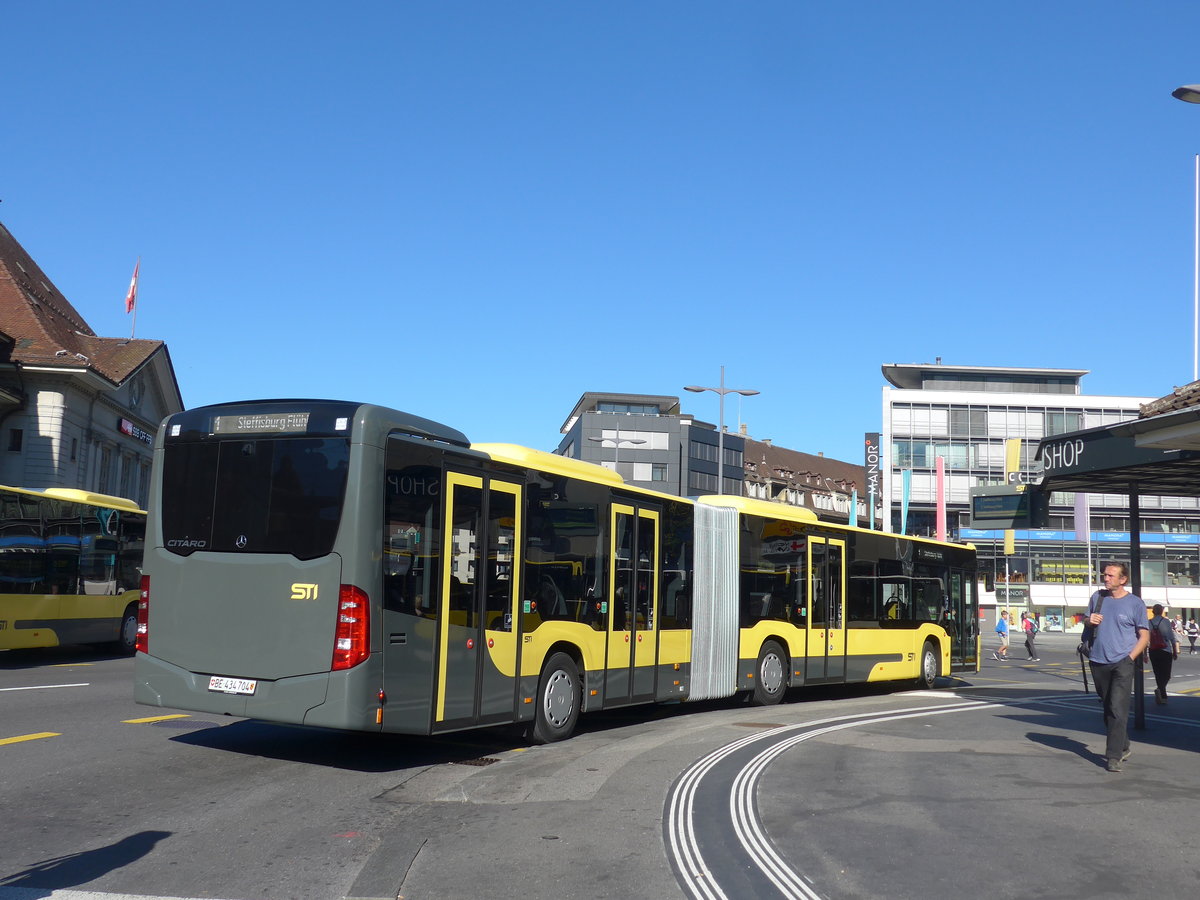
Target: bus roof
[[74, 495], [764, 508], [784, 511], [548, 462]]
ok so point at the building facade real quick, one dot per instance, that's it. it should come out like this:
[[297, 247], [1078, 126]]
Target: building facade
[[649, 443], [652, 444], [76, 410], [965, 415]]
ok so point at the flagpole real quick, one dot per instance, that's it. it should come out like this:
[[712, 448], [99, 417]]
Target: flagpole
[[131, 297]]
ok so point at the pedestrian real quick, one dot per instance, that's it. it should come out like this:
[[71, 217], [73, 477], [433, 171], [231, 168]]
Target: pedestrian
[[1193, 632], [1001, 653], [1164, 650], [1030, 626], [1121, 636]]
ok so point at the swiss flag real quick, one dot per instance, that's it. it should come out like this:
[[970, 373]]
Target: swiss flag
[[131, 297]]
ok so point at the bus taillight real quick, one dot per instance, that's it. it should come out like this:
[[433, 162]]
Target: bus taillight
[[142, 644], [352, 639]]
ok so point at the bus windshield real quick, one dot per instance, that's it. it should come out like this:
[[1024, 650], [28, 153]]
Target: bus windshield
[[274, 495]]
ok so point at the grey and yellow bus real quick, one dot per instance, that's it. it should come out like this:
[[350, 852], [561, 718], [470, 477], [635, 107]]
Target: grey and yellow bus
[[70, 566], [349, 566]]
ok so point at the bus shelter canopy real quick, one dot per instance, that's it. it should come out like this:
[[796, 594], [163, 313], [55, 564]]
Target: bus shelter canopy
[[1155, 456]]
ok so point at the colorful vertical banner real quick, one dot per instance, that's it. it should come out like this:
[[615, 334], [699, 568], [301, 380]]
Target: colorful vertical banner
[[940, 476], [854, 508], [906, 478], [1012, 466]]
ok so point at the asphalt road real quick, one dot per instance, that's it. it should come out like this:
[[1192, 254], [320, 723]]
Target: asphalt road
[[993, 783]]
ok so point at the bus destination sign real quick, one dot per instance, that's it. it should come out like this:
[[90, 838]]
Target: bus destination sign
[[261, 423]]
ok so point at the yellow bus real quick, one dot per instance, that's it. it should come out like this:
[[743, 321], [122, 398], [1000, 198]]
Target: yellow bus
[[70, 566], [349, 566]]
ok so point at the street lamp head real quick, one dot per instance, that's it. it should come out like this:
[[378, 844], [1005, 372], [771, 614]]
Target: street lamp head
[[1189, 93], [747, 393], [694, 389]]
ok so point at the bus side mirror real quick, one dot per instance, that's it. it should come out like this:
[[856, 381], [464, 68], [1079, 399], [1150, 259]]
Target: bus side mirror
[[989, 581]]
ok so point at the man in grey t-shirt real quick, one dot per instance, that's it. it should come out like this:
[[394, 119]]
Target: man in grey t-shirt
[[1122, 634]]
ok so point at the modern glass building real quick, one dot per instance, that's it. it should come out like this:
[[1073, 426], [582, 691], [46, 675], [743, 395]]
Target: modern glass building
[[965, 414]]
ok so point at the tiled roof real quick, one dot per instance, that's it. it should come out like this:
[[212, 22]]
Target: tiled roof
[[774, 462], [48, 331], [1181, 398]]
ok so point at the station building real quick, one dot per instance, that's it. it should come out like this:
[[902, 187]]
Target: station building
[[965, 415], [77, 410]]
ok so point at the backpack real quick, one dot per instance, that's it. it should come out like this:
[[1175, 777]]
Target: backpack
[[1033, 626], [1157, 641]]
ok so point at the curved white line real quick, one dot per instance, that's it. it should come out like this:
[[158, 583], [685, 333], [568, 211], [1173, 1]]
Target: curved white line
[[682, 839]]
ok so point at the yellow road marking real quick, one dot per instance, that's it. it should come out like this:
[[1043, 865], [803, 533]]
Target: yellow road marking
[[155, 719], [69, 665], [29, 737]]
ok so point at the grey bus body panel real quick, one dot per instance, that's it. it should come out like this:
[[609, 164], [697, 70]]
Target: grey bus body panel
[[159, 683], [254, 616]]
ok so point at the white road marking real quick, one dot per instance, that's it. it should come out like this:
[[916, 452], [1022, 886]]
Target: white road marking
[[45, 687]]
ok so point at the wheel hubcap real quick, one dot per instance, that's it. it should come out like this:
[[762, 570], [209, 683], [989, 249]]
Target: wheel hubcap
[[559, 698], [770, 675]]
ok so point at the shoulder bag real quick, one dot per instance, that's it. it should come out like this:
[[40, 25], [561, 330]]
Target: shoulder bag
[[1089, 630]]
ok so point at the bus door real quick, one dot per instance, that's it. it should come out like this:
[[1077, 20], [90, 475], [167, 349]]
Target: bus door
[[633, 606], [827, 620], [961, 621], [477, 652]]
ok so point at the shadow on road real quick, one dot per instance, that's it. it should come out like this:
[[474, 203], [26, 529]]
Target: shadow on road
[[84, 867]]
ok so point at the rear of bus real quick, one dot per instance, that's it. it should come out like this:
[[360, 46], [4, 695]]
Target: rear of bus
[[261, 566]]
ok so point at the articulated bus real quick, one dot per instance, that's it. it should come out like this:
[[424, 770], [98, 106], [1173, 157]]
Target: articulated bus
[[349, 566], [70, 567]]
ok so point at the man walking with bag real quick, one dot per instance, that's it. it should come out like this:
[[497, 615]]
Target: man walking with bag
[[1121, 636], [1164, 650]]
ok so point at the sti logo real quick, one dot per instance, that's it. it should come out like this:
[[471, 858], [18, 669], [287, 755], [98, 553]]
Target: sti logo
[[304, 592]]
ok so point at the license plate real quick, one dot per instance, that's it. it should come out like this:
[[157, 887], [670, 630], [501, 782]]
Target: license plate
[[232, 685]]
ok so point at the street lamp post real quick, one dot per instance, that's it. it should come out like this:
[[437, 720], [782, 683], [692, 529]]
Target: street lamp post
[[721, 392], [1190, 93], [617, 446]]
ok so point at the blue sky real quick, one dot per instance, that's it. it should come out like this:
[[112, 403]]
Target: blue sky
[[476, 211]]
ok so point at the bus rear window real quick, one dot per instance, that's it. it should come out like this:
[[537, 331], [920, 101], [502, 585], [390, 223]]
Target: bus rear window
[[280, 495]]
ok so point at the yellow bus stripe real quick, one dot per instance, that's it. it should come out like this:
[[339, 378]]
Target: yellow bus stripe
[[154, 719], [30, 737]]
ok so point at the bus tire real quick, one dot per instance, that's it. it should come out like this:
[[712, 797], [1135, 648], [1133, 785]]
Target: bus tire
[[558, 700], [126, 642], [928, 675], [770, 675]]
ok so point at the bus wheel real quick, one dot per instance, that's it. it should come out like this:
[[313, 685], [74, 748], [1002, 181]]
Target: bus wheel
[[558, 701], [929, 667], [770, 677], [126, 641]]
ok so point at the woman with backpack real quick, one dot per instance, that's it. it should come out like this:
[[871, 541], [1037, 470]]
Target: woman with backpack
[[1193, 632], [1030, 626]]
